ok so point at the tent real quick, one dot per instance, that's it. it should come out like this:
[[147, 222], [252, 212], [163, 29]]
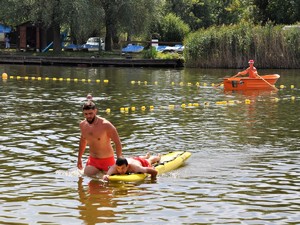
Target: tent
[[4, 29]]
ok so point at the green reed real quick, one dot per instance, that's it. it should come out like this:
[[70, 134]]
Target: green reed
[[232, 46]]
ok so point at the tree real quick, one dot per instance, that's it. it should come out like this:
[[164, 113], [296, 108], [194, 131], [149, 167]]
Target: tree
[[135, 17], [195, 13], [53, 14], [173, 28], [277, 11]]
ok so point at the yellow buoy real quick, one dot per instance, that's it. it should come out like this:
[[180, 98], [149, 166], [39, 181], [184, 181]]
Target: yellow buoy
[[4, 76], [292, 86], [98, 81], [105, 81], [133, 82], [183, 105], [171, 107], [151, 107], [133, 108], [281, 86], [145, 82], [247, 101], [143, 108], [293, 98], [39, 78], [107, 110]]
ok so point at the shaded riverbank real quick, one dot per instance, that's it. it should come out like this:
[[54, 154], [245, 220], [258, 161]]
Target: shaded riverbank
[[88, 61]]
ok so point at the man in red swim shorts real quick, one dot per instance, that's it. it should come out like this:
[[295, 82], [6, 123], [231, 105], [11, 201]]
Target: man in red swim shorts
[[134, 165], [98, 133], [101, 164]]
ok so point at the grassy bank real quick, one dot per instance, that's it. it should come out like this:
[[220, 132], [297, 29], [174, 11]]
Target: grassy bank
[[232, 46]]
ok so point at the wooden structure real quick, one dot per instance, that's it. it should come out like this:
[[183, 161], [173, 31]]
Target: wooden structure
[[32, 37], [85, 61]]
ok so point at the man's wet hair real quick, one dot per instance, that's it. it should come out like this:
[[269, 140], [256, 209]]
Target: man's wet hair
[[121, 162], [88, 105]]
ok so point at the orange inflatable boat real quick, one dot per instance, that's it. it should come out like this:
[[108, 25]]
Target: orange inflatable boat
[[245, 83]]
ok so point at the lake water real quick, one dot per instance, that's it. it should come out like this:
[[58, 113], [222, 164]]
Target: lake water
[[244, 168]]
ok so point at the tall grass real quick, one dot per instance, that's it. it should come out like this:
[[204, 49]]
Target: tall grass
[[232, 46]]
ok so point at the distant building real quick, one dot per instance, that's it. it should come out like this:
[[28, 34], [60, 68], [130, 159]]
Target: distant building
[[32, 37]]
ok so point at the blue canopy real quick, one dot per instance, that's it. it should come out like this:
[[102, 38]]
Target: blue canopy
[[4, 29]]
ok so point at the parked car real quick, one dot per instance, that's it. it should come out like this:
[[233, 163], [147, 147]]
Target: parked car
[[92, 44]]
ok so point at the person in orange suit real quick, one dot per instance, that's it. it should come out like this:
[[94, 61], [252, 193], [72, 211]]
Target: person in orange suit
[[251, 70]]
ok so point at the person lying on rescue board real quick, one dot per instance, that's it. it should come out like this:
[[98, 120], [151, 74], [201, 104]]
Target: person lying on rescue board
[[251, 70], [141, 164]]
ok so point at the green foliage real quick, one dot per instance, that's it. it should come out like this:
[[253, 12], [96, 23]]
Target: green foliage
[[277, 11], [169, 55], [173, 28], [232, 46], [195, 13], [151, 53]]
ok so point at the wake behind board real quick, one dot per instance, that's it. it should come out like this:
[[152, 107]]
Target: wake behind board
[[168, 162]]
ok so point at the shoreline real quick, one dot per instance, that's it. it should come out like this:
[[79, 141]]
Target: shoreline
[[92, 61]]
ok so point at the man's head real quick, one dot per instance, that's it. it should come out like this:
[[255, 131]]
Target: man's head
[[251, 61], [122, 165], [89, 111]]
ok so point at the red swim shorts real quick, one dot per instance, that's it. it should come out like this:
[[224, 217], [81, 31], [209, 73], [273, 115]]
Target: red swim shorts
[[101, 164], [143, 161]]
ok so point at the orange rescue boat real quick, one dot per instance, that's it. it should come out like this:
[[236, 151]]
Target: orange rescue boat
[[246, 83]]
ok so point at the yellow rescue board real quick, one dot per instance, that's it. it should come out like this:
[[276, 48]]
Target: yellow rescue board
[[168, 162]]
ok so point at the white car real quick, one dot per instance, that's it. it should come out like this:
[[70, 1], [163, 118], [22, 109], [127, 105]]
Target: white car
[[92, 44]]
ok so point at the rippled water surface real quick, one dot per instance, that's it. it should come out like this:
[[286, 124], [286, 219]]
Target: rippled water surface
[[244, 167]]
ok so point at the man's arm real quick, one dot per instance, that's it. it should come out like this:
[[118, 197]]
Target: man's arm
[[82, 146], [111, 170], [139, 169], [243, 72], [114, 136]]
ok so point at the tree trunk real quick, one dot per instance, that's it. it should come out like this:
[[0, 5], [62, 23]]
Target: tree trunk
[[56, 38], [108, 36]]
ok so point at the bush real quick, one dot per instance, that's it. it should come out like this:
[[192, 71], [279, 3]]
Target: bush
[[151, 53], [173, 29]]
